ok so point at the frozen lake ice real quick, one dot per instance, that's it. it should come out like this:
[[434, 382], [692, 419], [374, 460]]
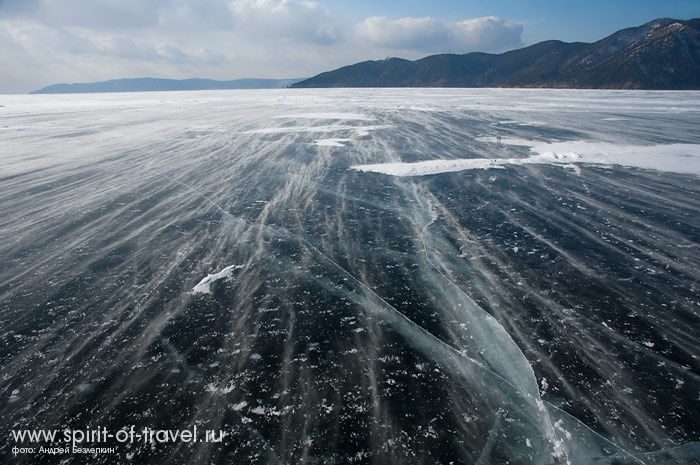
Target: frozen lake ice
[[360, 276]]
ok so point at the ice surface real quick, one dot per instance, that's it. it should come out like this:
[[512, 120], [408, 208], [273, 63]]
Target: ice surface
[[544, 312]]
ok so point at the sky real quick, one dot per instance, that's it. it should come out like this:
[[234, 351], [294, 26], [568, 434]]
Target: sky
[[45, 42]]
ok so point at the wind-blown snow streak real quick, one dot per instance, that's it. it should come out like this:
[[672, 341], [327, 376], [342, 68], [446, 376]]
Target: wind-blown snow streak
[[323, 128], [533, 315], [321, 116]]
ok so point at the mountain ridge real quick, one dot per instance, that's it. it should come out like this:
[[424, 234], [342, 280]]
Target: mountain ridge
[[661, 54], [147, 84]]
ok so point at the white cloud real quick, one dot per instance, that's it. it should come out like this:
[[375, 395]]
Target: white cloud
[[304, 21], [405, 33], [434, 36], [51, 41], [487, 34]]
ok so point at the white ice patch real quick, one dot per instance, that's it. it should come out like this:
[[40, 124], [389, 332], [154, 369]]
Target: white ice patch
[[258, 410], [331, 142], [677, 158], [220, 390], [204, 285], [336, 116], [239, 406], [423, 168]]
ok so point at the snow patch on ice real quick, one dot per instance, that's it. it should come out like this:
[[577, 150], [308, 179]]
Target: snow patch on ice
[[677, 158], [203, 287], [423, 168], [331, 142]]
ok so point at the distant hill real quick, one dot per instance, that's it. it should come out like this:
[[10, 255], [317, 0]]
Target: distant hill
[[152, 84], [662, 54]]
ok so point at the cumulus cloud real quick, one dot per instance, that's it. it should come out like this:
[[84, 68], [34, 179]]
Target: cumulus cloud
[[432, 35], [298, 20], [406, 33]]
